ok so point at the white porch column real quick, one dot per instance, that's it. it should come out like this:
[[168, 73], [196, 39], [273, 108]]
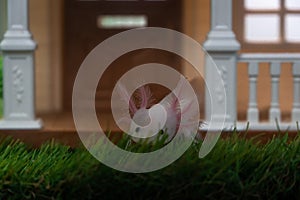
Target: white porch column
[[222, 46], [18, 70], [3, 20]]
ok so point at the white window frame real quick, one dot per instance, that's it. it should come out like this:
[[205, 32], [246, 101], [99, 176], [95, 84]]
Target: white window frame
[[239, 14]]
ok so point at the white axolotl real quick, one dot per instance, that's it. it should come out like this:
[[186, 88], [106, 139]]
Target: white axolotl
[[174, 111]]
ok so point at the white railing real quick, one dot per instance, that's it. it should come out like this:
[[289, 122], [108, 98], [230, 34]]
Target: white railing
[[275, 61], [223, 48]]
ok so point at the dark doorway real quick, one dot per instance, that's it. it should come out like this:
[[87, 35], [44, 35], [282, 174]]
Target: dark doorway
[[83, 32]]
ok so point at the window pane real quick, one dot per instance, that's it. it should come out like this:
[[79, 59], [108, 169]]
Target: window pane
[[292, 4], [262, 28], [121, 21], [262, 4], [292, 28]]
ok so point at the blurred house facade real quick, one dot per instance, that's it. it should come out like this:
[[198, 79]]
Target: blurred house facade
[[50, 22]]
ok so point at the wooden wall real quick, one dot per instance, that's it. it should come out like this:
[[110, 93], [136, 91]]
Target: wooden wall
[[46, 25]]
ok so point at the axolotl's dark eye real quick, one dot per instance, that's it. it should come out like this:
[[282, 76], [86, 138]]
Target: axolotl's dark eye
[[137, 129]]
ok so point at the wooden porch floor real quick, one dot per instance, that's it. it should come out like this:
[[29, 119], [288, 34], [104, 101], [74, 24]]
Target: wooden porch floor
[[60, 127]]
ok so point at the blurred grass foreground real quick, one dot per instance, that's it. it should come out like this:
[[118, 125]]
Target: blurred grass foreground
[[236, 168]]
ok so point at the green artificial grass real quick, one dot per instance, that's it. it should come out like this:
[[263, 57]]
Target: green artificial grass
[[235, 168]]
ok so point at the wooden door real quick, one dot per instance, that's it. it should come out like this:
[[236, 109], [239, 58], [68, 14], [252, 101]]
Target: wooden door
[[82, 34]]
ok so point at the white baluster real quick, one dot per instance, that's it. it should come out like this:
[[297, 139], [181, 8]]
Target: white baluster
[[252, 113], [296, 103], [274, 113]]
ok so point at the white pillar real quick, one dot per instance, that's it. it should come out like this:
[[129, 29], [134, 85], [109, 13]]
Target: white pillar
[[3, 19], [252, 113], [274, 113], [18, 70], [222, 46]]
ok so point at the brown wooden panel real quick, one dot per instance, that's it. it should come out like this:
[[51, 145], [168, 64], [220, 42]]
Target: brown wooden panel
[[81, 35]]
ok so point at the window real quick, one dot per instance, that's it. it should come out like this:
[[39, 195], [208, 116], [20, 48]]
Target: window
[[268, 25]]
